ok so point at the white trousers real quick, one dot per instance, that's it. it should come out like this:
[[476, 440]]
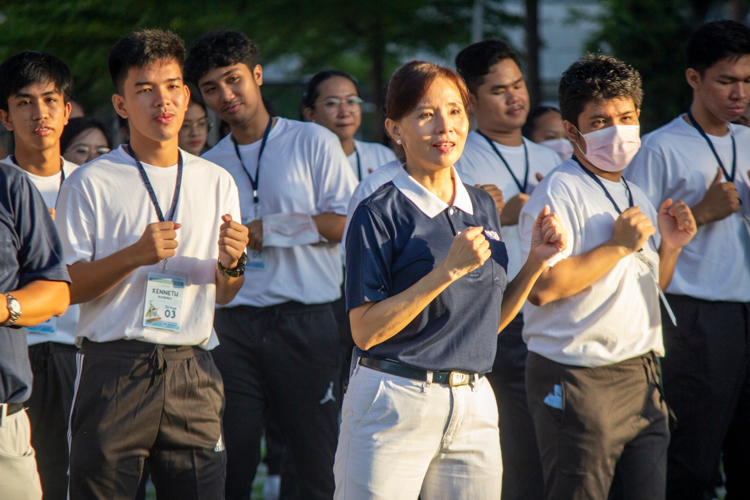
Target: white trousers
[[401, 439], [19, 479]]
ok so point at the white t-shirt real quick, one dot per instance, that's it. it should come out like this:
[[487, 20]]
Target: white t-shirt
[[618, 316], [676, 162], [481, 163], [64, 326], [372, 156], [369, 185], [105, 207], [303, 170]]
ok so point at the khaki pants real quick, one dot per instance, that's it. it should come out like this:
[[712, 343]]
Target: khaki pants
[[19, 479]]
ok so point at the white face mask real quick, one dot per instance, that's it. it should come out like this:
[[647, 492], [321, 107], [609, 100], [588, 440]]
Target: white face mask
[[563, 147], [611, 149]]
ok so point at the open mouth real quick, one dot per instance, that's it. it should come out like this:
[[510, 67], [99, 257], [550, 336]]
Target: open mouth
[[43, 130], [444, 146]]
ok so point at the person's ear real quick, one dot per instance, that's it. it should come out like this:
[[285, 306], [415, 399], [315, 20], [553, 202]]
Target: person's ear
[[573, 136], [68, 109], [472, 106], [5, 118], [391, 126], [693, 78], [309, 114], [258, 75], [187, 96], [119, 104]]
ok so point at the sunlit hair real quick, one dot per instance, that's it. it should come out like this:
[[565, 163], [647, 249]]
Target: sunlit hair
[[140, 48]]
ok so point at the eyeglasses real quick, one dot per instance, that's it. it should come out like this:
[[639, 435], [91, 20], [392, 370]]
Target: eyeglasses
[[333, 104], [199, 126], [84, 150]]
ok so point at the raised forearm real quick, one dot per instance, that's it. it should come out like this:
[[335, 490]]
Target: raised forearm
[[518, 291], [227, 288], [330, 226], [667, 262], [40, 300], [93, 279]]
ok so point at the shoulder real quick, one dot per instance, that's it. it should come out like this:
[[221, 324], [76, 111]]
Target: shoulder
[[69, 167], [204, 168], [667, 135], [374, 148], [542, 155], [102, 168], [307, 131], [217, 153], [13, 177], [741, 135], [561, 183]]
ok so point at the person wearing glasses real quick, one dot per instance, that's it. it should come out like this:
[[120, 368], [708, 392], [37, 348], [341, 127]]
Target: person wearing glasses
[[84, 139], [195, 128], [331, 98]]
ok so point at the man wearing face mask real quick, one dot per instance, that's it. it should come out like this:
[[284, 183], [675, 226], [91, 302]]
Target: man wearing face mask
[[704, 159], [594, 330]]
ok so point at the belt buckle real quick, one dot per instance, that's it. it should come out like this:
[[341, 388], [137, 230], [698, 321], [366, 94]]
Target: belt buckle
[[456, 379]]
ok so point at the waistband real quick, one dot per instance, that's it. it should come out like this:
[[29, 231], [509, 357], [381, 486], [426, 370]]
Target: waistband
[[136, 349], [454, 378]]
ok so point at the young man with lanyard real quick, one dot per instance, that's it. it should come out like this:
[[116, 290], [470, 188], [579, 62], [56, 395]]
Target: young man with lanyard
[[151, 246], [703, 159], [279, 336], [594, 329], [508, 166], [34, 92]]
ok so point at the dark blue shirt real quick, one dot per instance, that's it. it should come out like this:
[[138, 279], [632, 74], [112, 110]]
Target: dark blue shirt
[[392, 243], [29, 250]]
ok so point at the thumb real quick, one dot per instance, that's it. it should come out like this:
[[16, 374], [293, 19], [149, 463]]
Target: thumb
[[226, 218], [719, 176], [539, 177], [664, 208], [176, 225]]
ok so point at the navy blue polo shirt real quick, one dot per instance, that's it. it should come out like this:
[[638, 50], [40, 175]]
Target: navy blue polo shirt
[[29, 250], [396, 237]]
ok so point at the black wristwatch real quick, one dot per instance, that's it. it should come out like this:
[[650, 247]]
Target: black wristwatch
[[237, 271]]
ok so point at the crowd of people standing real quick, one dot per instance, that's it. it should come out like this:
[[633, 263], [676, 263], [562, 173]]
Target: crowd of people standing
[[541, 305]]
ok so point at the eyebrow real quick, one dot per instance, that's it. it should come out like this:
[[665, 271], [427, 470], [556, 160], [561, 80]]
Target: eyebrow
[[141, 84], [498, 87], [24, 94], [210, 82]]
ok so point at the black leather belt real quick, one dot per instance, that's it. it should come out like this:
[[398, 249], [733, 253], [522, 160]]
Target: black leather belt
[[12, 408], [453, 379]]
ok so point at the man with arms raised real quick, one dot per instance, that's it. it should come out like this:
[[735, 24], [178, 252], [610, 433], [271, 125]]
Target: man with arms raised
[[152, 244]]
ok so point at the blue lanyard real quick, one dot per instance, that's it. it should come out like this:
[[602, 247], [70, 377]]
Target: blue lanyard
[[150, 188], [521, 187], [359, 164], [255, 181], [601, 185], [713, 149]]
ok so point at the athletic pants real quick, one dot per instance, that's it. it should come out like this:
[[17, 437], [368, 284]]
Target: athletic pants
[[707, 384], [138, 402], [19, 479], [54, 367], [281, 359], [603, 431], [522, 470]]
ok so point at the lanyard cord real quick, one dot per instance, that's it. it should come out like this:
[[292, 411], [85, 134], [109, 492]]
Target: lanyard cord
[[601, 185], [254, 182], [713, 149], [359, 164], [150, 188], [521, 187]]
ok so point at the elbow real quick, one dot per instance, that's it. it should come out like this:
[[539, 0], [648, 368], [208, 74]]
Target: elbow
[[539, 298], [62, 299]]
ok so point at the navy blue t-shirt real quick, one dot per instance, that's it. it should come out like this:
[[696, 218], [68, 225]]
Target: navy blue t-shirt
[[391, 244], [29, 250]]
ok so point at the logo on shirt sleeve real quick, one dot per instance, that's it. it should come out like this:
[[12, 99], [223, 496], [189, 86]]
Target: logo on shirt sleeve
[[491, 235]]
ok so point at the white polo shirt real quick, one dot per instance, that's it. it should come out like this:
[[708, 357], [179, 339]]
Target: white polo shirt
[[618, 316], [676, 162], [303, 170], [61, 329], [371, 156], [480, 162], [104, 207]]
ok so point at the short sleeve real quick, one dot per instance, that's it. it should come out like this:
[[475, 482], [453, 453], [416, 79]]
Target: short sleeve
[[565, 211], [76, 224], [646, 171], [333, 177], [369, 253]]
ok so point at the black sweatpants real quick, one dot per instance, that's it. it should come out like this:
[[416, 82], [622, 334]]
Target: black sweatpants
[[54, 367], [138, 402], [707, 384], [523, 478], [283, 359], [603, 433]]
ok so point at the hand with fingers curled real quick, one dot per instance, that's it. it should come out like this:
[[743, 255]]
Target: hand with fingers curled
[[496, 194], [632, 230], [469, 250], [233, 239], [158, 242], [677, 225], [720, 201], [548, 236], [255, 235]]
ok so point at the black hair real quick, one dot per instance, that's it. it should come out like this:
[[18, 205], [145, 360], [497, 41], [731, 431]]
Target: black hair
[[597, 78], [715, 41], [196, 98], [218, 49], [534, 115], [310, 94], [475, 61], [140, 48], [76, 126], [30, 67]]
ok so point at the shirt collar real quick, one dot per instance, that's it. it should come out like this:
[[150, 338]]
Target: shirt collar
[[427, 202]]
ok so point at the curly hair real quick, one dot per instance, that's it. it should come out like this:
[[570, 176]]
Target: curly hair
[[597, 78], [140, 48], [217, 49], [474, 62]]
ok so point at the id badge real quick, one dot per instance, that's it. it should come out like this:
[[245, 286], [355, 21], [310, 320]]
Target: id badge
[[47, 328], [256, 260], [163, 307]]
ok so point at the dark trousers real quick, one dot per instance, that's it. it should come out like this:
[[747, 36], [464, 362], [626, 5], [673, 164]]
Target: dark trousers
[[707, 384], [137, 402], [522, 470], [609, 438], [284, 360], [54, 367]]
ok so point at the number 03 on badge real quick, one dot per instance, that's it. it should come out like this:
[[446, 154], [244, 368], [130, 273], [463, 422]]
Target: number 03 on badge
[[163, 306]]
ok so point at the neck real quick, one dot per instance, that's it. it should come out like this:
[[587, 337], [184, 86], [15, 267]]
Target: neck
[[709, 122], [156, 153], [437, 180], [41, 162], [253, 130], [511, 138], [610, 176], [348, 145]]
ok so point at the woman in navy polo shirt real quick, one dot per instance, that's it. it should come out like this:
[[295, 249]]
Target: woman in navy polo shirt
[[427, 291]]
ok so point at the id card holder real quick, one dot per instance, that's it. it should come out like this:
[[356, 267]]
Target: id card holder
[[162, 309], [47, 328], [256, 260]]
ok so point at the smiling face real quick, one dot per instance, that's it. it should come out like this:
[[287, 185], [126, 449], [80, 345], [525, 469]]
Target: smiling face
[[36, 115], [86, 146], [233, 92], [342, 119], [434, 133], [501, 102], [154, 101], [194, 131], [724, 88]]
